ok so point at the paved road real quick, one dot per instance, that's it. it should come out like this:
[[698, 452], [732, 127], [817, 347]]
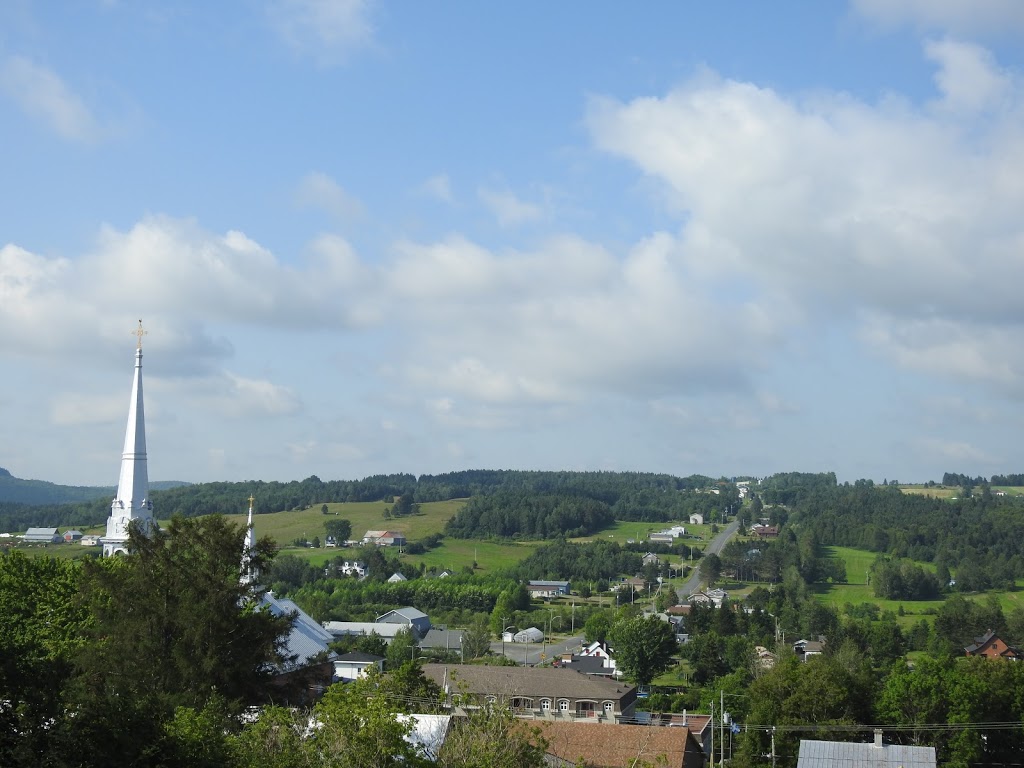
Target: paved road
[[531, 653], [693, 583]]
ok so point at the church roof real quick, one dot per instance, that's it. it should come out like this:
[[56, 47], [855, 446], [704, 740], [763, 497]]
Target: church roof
[[306, 639]]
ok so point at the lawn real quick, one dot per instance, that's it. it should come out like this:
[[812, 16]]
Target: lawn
[[938, 491], [624, 530]]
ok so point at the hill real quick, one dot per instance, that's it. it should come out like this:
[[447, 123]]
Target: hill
[[41, 492]]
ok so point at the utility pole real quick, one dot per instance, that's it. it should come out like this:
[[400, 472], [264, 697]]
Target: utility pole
[[712, 733], [773, 746], [721, 723]]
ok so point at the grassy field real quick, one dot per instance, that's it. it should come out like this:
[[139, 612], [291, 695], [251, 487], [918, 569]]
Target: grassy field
[[938, 491], [954, 491], [624, 530], [858, 563]]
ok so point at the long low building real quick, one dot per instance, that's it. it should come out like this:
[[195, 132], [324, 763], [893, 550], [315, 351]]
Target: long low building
[[536, 692], [363, 628]]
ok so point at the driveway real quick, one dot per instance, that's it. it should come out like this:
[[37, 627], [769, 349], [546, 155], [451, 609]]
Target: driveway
[[530, 653], [693, 583]]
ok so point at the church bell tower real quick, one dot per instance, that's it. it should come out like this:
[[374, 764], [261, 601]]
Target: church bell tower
[[132, 504]]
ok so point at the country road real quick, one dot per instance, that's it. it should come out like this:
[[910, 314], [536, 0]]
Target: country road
[[692, 583]]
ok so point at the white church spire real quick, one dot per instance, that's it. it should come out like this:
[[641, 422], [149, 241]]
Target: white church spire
[[132, 504], [249, 574]]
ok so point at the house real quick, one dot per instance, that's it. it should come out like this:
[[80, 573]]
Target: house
[[713, 597], [90, 541], [650, 559], [442, 640], [42, 536], [385, 632], [538, 692], [593, 659], [763, 658], [410, 617], [991, 646], [804, 649], [396, 577], [355, 568], [352, 666], [70, 536], [668, 535], [765, 531], [384, 538], [633, 583], [613, 746], [696, 519], [547, 588], [841, 754]]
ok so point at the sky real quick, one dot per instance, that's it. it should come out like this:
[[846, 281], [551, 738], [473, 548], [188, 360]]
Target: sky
[[731, 238]]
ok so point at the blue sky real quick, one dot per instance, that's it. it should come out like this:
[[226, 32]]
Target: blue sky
[[729, 238]]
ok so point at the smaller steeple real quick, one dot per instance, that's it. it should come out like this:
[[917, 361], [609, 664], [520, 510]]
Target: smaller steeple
[[249, 573]]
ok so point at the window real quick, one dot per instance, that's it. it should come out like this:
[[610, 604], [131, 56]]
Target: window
[[545, 705], [609, 707], [563, 705]]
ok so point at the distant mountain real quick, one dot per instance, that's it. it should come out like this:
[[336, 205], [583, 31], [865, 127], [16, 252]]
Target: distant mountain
[[41, 492]]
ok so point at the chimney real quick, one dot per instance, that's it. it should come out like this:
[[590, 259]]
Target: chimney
[[878, 737]]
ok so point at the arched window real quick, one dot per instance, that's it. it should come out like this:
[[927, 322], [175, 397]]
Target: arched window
[[545, 705]]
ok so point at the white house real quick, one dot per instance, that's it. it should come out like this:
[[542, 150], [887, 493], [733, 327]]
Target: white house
[[352, 666], [547, 588], [384, 538], [696, 519], [354, 568], [396, 577], [90, 541]]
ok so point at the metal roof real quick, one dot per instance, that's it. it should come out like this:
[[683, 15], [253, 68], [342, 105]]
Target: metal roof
[[306, 638], [841, 754]]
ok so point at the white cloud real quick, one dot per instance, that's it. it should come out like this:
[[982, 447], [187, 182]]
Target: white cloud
[[968, 76], [958, 16], [938, 451], [42, 94], [72, 409], [438, 187], [830, 210], [327, 30], [319, 190], [509, 210]]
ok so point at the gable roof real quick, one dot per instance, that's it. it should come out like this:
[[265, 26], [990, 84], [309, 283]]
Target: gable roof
[[840, 754], [600, 745], [408, 612], [359, 656], [526, 681], [306, 638]]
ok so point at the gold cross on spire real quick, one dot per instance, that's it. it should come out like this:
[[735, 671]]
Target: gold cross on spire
[[140, 333], [251, 500]]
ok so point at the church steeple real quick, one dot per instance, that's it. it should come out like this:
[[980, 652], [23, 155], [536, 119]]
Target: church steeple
[[132, 504], [249, 573]]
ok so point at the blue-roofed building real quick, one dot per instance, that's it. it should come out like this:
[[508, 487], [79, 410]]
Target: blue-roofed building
[[842, 754], [306, 640]]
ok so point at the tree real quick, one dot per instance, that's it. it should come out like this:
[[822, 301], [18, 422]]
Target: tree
[[41, 626], [171, 623], [339, 529], [492, 737], [476, 641], [359, 728], [401, 649], [597, 626], [504, 609], [711, 568], [643, 647]]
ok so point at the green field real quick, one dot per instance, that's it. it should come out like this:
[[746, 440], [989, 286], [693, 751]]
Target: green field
[[858, 563], [624, 530]]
